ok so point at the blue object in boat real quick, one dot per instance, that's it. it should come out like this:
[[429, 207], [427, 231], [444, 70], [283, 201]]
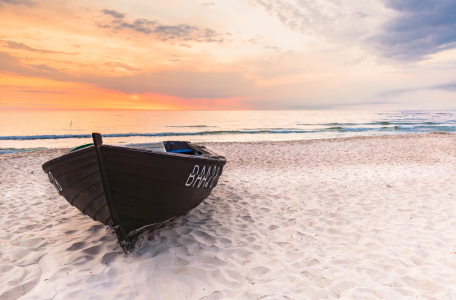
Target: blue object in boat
[[181, 151]]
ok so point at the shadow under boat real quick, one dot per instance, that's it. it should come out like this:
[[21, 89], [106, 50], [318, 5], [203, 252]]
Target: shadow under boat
[[133, 187]]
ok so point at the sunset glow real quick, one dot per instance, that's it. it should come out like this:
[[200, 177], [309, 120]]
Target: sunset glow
[[218, 55]]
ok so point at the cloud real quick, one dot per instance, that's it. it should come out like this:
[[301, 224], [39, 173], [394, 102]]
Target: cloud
[[139, 25], [180, 32], [113, 13], [335, 20], [22, 46], [19, 104], [120, 66], [18, 2], [446, 87], [102, 25], [418, 29], [164, 32], [12, 65], [44, 92], [183, 84], [450, 87], [399, 30], [271, 48], [43, 67]]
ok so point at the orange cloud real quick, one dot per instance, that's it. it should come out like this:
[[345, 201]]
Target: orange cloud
[[25, 93]]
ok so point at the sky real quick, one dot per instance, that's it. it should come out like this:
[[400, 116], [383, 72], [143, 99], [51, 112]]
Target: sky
[[227, 55]]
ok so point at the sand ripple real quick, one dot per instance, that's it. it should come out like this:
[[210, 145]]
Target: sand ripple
[[361, 218]]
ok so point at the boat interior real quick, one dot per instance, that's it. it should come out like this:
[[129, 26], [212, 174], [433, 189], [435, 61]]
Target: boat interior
[[170, 147]]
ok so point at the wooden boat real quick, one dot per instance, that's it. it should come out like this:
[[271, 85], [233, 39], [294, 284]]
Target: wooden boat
[[130, 188]]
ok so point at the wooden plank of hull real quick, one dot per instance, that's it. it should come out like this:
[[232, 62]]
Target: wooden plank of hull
[[135, 217], [74, 160], [77, 173], [158, 160], [153, 184], [150, 188], [152, 210], [147, 182]]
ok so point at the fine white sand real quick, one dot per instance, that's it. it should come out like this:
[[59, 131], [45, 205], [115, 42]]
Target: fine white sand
[[354, 218]]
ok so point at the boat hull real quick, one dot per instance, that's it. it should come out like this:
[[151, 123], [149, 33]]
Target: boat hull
[[137, 187]]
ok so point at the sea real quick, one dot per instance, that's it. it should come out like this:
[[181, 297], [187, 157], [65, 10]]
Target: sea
[[41, 130]]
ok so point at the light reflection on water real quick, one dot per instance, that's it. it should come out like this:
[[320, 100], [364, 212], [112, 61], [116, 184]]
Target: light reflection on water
[[206, 126]]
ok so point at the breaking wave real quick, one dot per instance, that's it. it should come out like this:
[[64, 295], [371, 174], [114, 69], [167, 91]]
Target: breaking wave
[[381, 126]]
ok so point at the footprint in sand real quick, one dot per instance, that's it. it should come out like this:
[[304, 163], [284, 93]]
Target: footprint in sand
[[93, 250], [273, 227], [203, 238], [110, 257], [260, 274], [76, 246], [96, 228], [214, 296], [32, 243]]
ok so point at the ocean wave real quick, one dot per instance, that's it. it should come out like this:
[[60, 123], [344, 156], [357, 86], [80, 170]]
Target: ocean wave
[[376, 123], [16, 150], [334, 127], [190, 126], [387, 126], [163, 134]]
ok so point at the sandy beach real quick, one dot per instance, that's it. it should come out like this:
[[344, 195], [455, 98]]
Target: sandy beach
[[353, 218]]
